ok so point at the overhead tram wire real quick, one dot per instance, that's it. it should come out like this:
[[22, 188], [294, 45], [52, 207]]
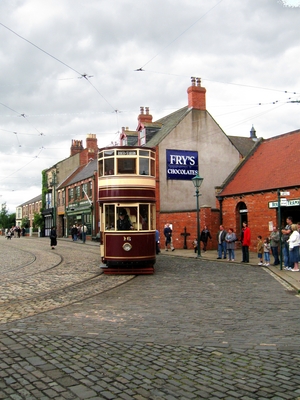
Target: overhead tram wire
[[177, 37], [225, 83], [81, 75]]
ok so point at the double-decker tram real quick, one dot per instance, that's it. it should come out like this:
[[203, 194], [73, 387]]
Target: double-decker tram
[[127, 209]]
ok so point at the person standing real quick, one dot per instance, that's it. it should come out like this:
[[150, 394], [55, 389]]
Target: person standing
[[168, 237], [84, 231], [246, 240], [294, 243], [230, 239], [267, 249], [205, 234], [286, 232], [274, 243], [53, 237], [221, 243], [195, 245]]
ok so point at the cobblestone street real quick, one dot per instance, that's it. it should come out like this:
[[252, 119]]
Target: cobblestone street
[[196, 329]]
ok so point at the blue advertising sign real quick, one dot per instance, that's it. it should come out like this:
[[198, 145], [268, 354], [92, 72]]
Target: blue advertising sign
[[181, 164]]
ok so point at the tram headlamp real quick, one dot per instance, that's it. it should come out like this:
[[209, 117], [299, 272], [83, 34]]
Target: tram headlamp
[[127, 246]]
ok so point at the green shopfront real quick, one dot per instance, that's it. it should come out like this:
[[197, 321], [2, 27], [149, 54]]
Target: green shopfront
[[80, 213]]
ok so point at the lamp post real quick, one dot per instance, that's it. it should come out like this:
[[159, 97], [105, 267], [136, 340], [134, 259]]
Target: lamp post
[[197, 181], [54, 196]]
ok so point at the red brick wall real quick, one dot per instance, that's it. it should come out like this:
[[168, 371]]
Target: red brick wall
[[180, 220], [259, 214]]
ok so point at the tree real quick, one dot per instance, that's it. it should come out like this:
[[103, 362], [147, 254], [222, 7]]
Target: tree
[[25, 222], [4, 217], [38, 220]]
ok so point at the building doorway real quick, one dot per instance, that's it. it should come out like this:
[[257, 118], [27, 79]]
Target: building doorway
[[241, 216]]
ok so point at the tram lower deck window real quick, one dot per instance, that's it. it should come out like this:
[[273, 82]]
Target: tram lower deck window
[[128, 217]]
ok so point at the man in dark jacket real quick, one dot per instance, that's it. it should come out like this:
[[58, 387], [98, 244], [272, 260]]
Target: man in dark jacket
[[205, 234]]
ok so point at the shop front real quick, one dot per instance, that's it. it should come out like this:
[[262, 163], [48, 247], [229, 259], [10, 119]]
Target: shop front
[[78, 214]]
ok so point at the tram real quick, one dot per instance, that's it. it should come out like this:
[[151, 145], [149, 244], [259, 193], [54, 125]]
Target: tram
[[126, 182]]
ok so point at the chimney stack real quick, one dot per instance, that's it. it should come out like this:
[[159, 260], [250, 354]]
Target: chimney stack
[[144, 117], [76, 147], [196, 95], [92, 144]]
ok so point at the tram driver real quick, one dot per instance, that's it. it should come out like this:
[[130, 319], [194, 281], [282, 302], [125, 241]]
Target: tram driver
[[124, 223]]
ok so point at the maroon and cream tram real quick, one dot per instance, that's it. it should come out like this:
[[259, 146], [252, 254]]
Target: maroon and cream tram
[[127, 209]]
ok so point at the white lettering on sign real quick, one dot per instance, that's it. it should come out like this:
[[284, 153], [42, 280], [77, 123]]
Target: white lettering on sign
[[127, 238], [181, 171], [182, 160], [285, 203]]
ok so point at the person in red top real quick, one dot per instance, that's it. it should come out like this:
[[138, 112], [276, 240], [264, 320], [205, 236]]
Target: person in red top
[[245, 239]]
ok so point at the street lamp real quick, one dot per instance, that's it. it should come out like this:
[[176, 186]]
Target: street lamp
[[197, 181]]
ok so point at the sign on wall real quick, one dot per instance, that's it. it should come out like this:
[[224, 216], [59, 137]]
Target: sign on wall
[[181, 164]]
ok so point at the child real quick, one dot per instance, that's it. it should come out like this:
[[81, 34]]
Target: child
[[195, 244], [260, 248], [267, 249]]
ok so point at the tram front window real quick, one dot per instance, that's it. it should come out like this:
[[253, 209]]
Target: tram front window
[[109, 166], [144, 166], [126, 166], [138, 217], [110, 217]]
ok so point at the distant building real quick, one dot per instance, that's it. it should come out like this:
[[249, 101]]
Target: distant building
[[58, 173], [77, 199], [28, 209]]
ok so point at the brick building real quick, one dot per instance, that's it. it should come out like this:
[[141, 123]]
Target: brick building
[[80, 204], [252, 191], [28, 209], [188, 141], [55, 211]]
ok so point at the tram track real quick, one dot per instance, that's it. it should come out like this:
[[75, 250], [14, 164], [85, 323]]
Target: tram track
[[27, 307], [49, 280]]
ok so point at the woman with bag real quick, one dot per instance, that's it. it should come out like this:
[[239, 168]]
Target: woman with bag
[[53, 237]]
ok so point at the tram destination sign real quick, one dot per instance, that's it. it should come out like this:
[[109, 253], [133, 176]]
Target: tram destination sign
[[181, 164], [126, 152], [284, 203]]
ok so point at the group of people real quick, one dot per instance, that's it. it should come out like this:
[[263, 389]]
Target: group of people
[[79, 232], [291, 245], [290, 237], [226, 243], [14, 231]]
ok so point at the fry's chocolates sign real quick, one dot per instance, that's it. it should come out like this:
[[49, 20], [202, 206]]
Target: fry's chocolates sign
[[181, 165]]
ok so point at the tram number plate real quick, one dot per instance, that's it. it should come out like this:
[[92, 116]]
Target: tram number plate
[[127, 238]]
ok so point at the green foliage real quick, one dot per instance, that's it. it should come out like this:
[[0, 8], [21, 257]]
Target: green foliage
[[25, 222], [38, 220], [4, 217], [11, 220]]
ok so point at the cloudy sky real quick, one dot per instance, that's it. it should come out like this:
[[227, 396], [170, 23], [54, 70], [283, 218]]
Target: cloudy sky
[[68, 68]]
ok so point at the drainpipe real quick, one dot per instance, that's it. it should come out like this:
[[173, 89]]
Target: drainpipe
[[220, 200]]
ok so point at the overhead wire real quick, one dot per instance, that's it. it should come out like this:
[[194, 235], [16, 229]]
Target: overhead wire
[[177, 37]]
